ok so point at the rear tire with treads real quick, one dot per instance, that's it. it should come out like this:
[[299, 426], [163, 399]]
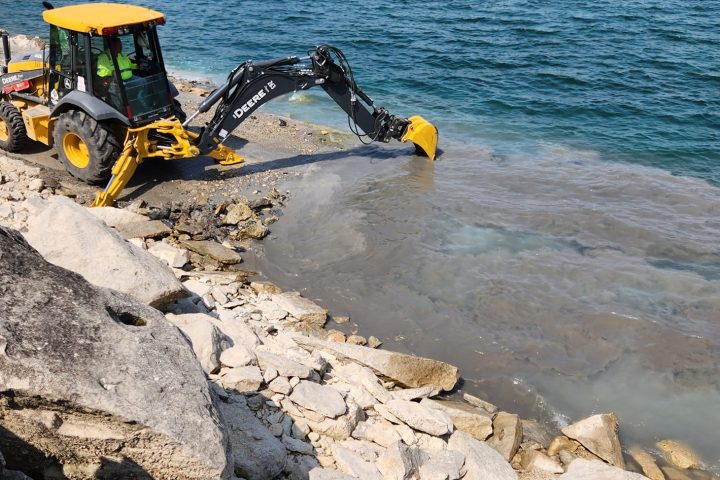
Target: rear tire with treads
[[87, 148], [13, 135]]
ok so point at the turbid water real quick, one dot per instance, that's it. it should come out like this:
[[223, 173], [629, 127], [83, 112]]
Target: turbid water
[[563, 249]]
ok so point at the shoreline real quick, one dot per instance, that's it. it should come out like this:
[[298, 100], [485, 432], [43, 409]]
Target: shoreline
[[262, 128]]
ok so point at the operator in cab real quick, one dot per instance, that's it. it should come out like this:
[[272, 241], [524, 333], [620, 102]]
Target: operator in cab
[[105, 63]]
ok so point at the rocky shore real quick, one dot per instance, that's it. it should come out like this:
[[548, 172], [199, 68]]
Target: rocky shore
[[134, 343], [237, 379]]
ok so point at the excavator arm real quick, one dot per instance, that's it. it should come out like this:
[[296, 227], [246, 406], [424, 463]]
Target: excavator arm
[[249, 86], [252, 84]]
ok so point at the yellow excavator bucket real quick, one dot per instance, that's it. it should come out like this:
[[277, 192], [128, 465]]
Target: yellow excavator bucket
[[423, 134]]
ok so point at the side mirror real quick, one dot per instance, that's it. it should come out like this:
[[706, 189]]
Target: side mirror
[[48, 5]]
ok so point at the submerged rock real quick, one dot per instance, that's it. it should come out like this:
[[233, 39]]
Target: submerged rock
[[679, 454], [69, 236], [647, 463], [87, 372]]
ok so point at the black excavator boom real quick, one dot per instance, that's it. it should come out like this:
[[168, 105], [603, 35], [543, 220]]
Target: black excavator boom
[[252, 84]]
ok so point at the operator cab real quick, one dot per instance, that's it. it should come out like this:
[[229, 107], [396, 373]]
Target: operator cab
[[110, 52]]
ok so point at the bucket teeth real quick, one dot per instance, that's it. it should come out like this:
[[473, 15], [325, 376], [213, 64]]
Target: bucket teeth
[[423, 134]]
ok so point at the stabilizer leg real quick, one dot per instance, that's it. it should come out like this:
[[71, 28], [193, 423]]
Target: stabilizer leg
[[122, 172]]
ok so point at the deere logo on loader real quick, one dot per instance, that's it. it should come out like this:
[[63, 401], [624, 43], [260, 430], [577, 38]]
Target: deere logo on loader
[[115, 108]]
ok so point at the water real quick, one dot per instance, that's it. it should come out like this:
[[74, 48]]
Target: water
[[563, 250]]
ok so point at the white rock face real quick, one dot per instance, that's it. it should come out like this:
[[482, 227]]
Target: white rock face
[[351, 463], [115, 216], [384, 435], [206, 340], [283, 365], [319, 398], [581, 469], [71, 237], [399, 462], [258, 455], [175, 257], [442, 465], [466, 418], [301, 308], [599, 435], [242, 379], [237, 356], [481, 461], [428, 420], [328, 474]]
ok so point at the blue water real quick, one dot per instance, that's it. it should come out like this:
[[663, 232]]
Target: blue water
[[637, 81]]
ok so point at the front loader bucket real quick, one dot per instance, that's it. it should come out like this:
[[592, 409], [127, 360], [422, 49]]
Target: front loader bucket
[[423, 134]]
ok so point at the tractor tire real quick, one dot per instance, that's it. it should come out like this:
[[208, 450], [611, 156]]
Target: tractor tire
[[13, 135], [178, 111], [86, 147]]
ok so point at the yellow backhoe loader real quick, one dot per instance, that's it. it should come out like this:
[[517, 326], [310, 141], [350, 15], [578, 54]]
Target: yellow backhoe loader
[[100, 95]]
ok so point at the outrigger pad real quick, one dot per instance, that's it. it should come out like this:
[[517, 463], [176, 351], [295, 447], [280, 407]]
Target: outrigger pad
[[423, 134]]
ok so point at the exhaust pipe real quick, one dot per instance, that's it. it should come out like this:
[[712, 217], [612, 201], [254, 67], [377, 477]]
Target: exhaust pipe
[[6, 51]]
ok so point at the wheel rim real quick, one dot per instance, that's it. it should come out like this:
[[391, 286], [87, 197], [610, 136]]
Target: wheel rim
[[75, 150], [3, 131]]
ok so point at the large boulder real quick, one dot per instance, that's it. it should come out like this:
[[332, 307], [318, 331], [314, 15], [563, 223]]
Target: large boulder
[[408, 370], [97, 382], [598, 434], [71, 237], [481, 461], [257, 454]]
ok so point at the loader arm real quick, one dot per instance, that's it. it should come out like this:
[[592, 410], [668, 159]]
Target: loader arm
[[252, 84]]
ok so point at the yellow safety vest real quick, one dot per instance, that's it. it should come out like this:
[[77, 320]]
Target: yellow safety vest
[[105, 65]]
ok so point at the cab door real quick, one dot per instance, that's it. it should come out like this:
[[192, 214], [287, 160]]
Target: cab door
[[63, 52]]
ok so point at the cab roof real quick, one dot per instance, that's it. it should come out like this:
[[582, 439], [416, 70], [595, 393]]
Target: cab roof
[[98, 16]]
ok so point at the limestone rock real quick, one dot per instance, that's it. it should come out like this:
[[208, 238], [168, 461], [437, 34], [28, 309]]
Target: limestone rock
[[319, 398], [373, 341], [301, 308], [237, 356], [399, 462], [415, 393], [271, 311], [356, 340], [429, 420], [71, 237], [115, 216], [442, 465], [175, 257], [582, 469], [507, 434], [599, 435], [258, 455], [143, 229], [237, 213], [479, 402], [341, 427], [213, 250], [297, 446], [265, 287], [242, 379], [353, 464], [466, 418], [328, 474], [647, 463], [481, 461], [407, 370], [383, 435], [335, 336], [284, 366], [206, 340], [679, 454], [87, 372], [280, 385], [536, 460]]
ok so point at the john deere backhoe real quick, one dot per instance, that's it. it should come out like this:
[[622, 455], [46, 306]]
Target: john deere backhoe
[[100, 95]]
